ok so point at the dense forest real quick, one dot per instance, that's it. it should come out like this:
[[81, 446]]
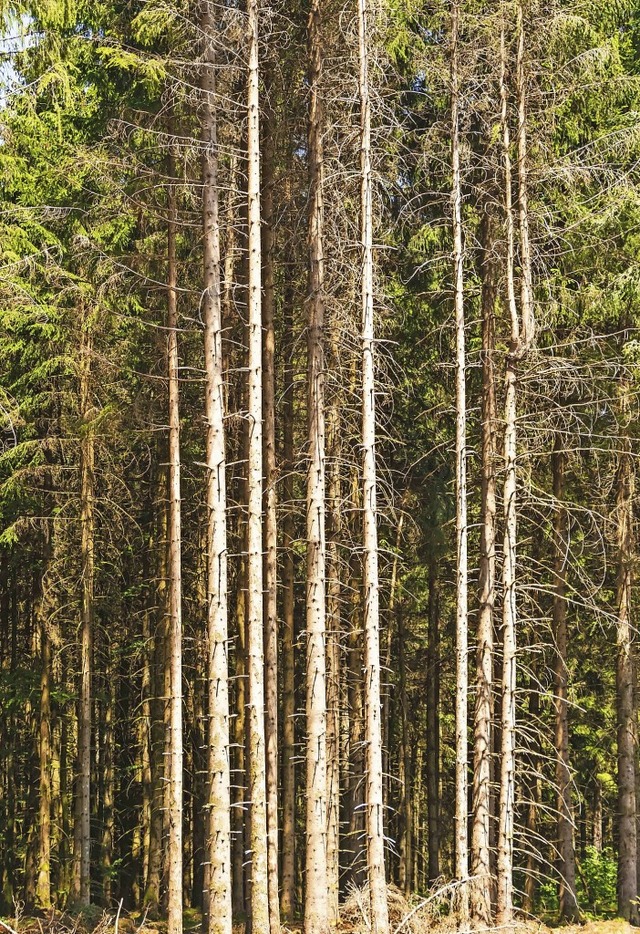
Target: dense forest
[[320, 422]]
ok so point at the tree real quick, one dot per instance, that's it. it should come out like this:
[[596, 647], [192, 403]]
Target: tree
[[218, 841], [374, 817], [316, 914], [462, 649], [174, 570], [256, 765]]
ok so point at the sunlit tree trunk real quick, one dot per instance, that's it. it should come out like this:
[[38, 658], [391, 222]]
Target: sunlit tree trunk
[[218, 838], [480, 834], [462, 647], [255, 577], [175, 842], [270, 515], [43, 882], [504, 901], [374, 816], [316, 913], [627, 850], [108, 777]]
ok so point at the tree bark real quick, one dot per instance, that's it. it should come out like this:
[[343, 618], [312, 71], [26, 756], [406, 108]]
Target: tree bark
[[43, 882], [374, 816], [504, 899], [175, 842], [288, 897], [481, 899], [462, 647], [316, 913], [270, 517], [406, 803], [433, 726], [627, 849], [108, 779], [255, 576], [82, 824], [567, 896], [218, 840]]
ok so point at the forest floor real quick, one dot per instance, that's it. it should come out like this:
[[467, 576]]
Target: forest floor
[[404, 918]]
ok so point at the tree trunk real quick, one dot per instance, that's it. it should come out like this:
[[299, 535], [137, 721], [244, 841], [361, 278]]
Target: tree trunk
[[627, 850], [240, 831], [174, 920], [316, 913], [108, 779], [255, 577], [218, 840], [481, 899], [288, 897], [270, 519], [535, 798], [43, 883], [406, 803], [374, 816], [462, 647], [567, 896], [433, 726], [504, 898], [354, 797], [158, 765], [82, 825]]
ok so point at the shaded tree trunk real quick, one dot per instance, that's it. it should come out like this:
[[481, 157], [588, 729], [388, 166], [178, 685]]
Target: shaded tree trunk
[[433, 726], [627, 849], [567, 896], [82, 824], [287, 900]]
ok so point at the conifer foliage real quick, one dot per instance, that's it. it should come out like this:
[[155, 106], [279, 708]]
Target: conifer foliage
[[319, 349]]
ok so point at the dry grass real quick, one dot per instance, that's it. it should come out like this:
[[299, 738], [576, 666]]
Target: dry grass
[[434, 914]]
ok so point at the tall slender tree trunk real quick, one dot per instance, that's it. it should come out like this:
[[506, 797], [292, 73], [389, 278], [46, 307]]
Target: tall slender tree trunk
[[335, 673], [533, 804], [334, 669], [504, 900], [43, 882], [159, 770], [108, 778], [406, 803], [82, 825], [462, 646], [481, 899], [374, 816], [354, 798], [270, 516], [433, 726], [288, 897], [240, 830], [175, 843], [316, 913], [218, 840], [255, 576], [627, 752], [568, 903]]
